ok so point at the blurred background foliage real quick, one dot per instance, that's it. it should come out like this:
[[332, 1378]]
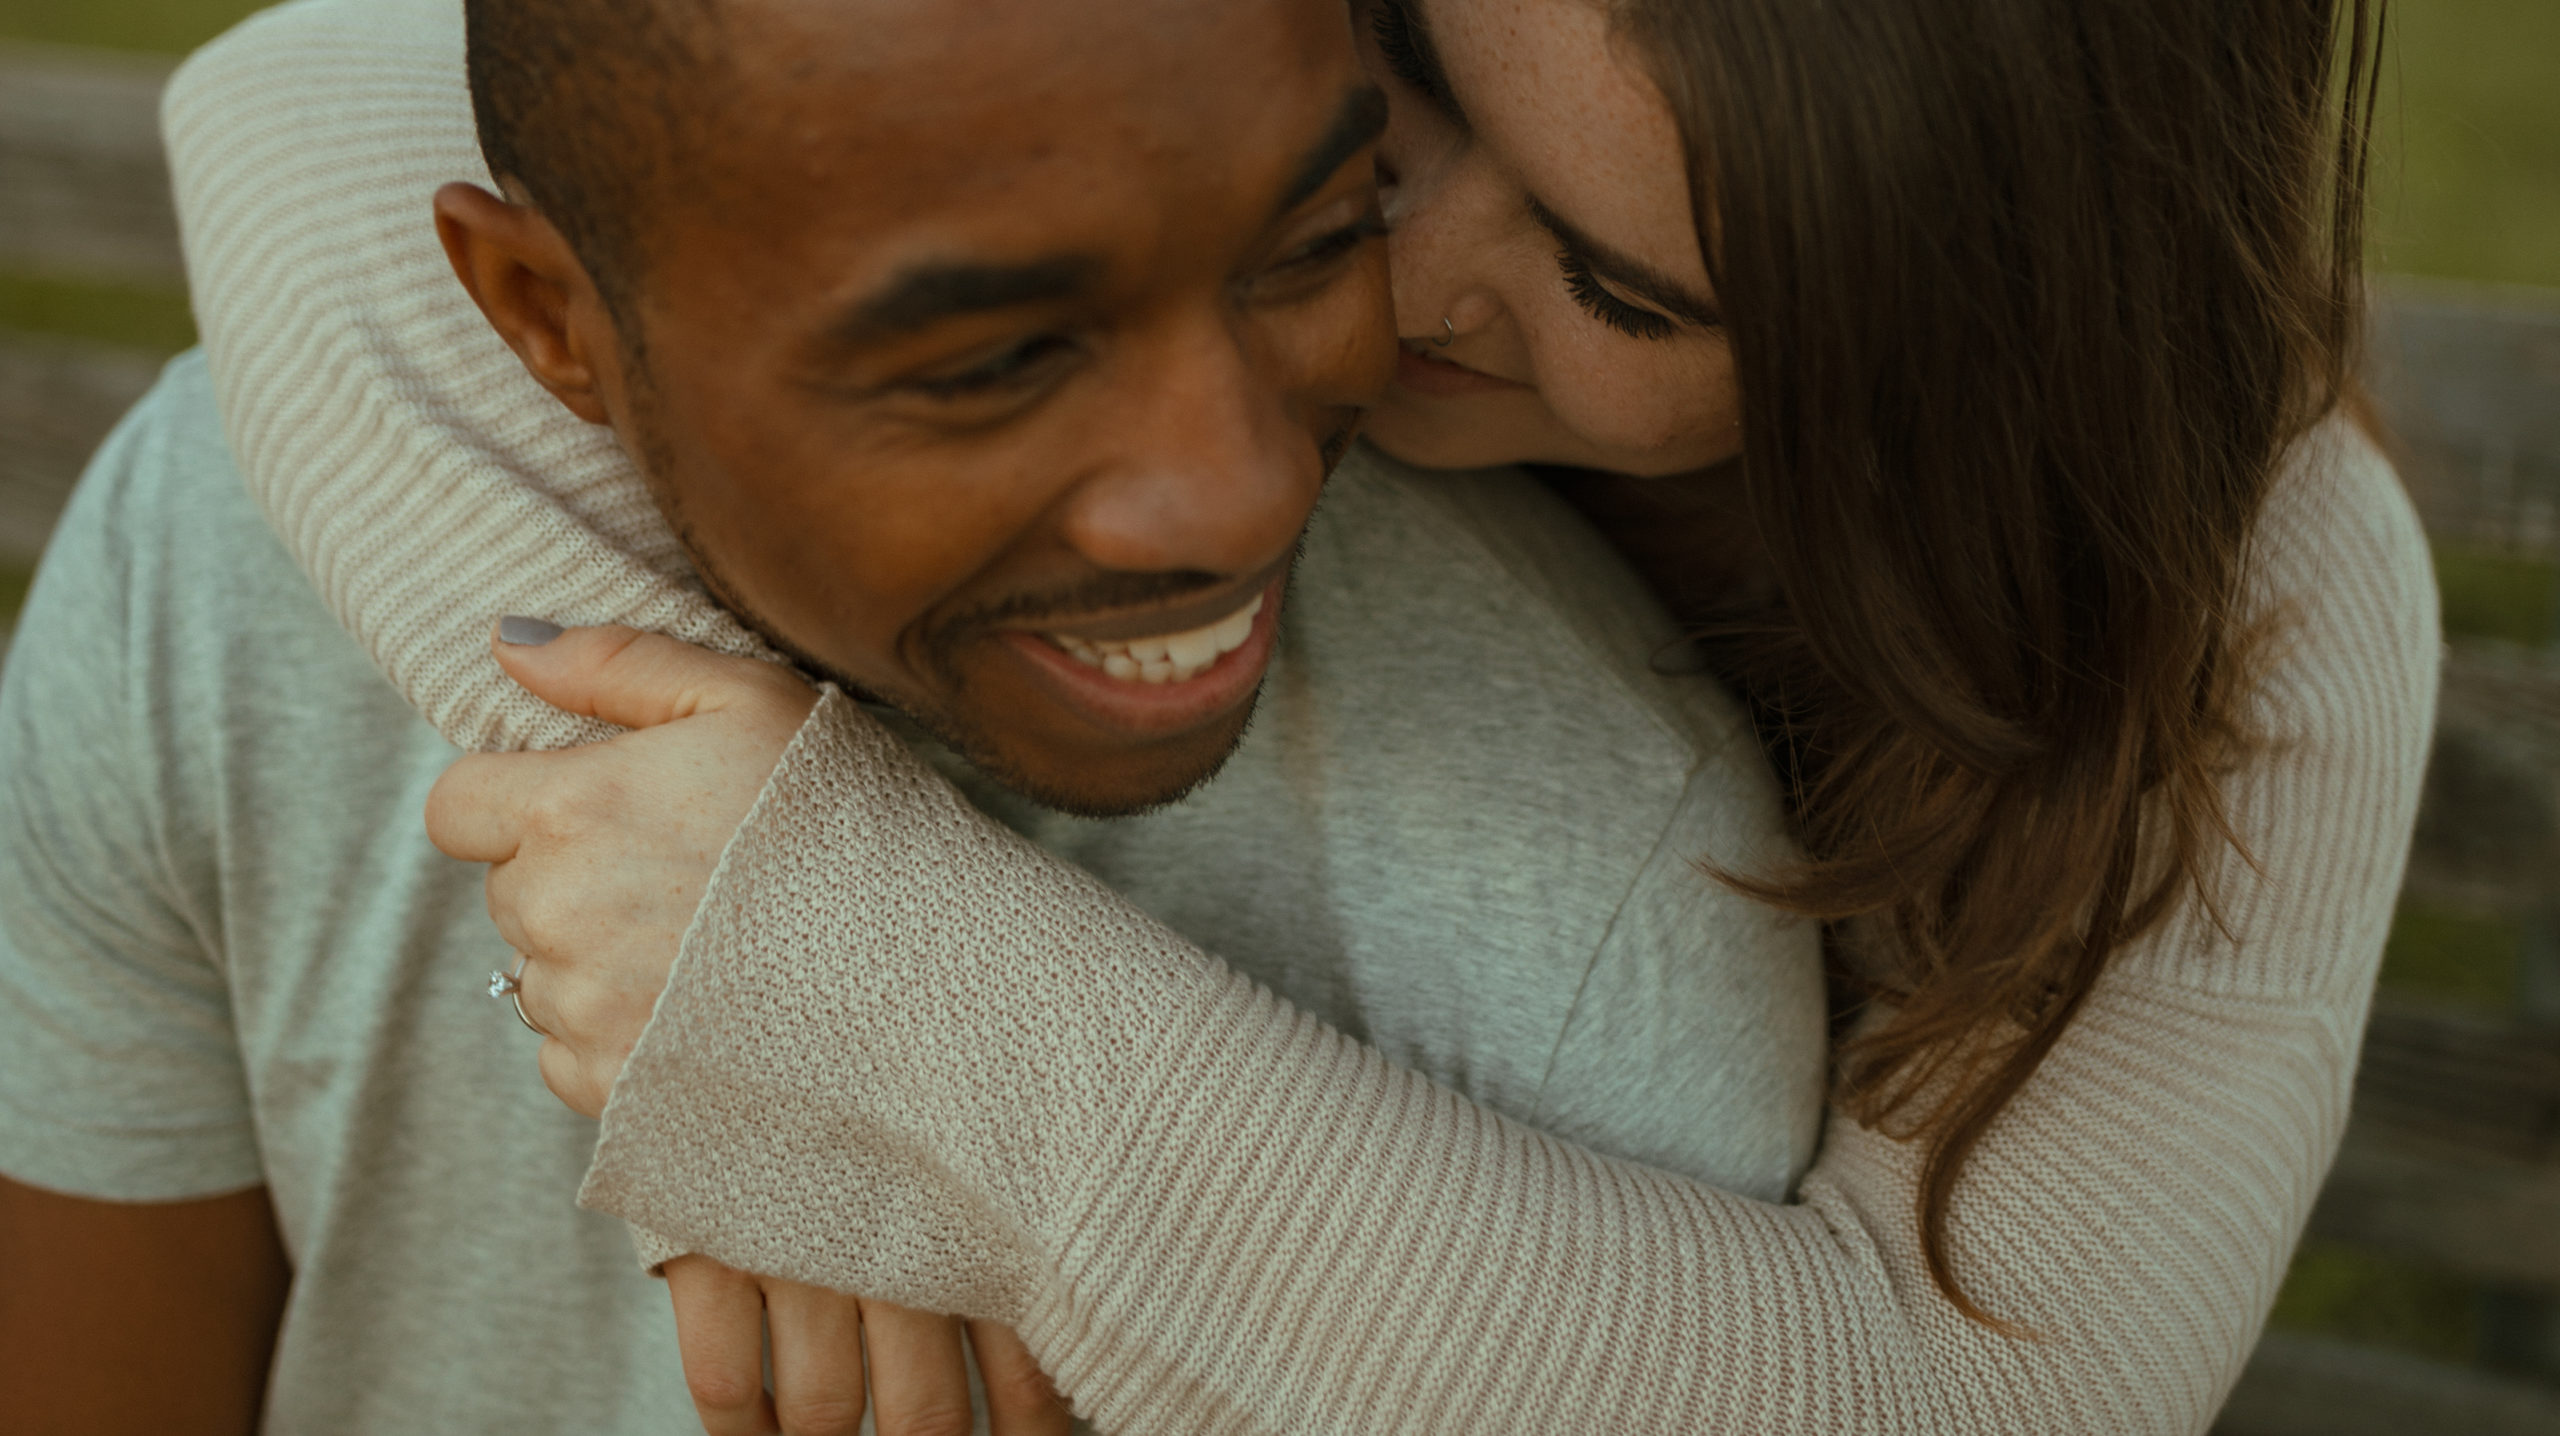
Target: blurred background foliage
[[2467, 187], [168, 27], [2467, 183]]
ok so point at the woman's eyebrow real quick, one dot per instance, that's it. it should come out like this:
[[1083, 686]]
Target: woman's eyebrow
[[1628, 272], [1413, 31]]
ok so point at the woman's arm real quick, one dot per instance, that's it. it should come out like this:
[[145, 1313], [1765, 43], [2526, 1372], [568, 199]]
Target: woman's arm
[[1205, 1210], [986, 1085]]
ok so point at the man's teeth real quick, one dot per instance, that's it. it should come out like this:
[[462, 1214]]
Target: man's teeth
[[1172, 658]]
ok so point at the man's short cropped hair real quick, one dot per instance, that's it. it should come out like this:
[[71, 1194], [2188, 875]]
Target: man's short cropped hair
[[589, 106]]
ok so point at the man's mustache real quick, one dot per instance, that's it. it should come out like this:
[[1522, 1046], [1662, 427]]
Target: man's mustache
[[1103, 593]]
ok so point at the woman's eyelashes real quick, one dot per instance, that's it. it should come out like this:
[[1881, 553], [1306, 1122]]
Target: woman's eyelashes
[[1408, 53], [1633, 320]]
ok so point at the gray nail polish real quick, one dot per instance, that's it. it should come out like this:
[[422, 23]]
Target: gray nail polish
[[526, 632]]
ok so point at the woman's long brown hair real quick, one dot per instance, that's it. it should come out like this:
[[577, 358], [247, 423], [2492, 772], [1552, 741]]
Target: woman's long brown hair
[[2029, 300]]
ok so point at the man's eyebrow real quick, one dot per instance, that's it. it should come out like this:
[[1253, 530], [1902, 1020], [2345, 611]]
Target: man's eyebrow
[[1628, 272], [929, 293], [926, 294], [1357, 123]]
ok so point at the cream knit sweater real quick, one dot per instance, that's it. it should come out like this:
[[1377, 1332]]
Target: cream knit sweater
[[908, 1054]]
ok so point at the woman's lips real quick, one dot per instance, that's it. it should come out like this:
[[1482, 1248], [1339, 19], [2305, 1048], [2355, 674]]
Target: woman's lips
[[1426, 373]]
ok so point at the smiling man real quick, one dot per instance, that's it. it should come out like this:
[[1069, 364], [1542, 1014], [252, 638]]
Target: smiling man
[[1012, 421], [990, 356]]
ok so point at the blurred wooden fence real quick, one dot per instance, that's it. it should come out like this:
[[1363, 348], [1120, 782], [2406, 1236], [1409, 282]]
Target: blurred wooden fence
[[2470, 377], [2453, 1160], [83, 191]]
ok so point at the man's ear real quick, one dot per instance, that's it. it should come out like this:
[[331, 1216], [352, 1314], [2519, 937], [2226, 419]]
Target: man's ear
[[530, 285]]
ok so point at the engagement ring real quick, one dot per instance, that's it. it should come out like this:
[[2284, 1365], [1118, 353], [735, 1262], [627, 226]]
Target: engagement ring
[[510, 985]]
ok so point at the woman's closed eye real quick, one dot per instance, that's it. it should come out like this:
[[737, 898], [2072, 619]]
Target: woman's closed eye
[[1595, 296]]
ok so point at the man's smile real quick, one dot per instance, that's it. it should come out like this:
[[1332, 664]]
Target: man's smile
[[1164, 658], [1162, 683]]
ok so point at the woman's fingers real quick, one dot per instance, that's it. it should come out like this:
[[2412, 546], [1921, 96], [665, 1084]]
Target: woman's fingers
[[476, 812], [720, 1336], [635, 679], [919, 1374], [505, 889], [1021, 1399], [598, 856], [582, 1083], [817, 1359], [831, 1352]]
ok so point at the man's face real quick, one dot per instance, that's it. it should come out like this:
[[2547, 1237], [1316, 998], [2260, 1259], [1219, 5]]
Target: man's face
[[989, 342]]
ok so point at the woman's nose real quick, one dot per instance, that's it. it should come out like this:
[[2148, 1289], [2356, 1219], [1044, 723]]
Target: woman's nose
[[1443, 235]]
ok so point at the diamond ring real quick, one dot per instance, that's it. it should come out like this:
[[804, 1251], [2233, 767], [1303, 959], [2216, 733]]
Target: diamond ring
[[510, 985]]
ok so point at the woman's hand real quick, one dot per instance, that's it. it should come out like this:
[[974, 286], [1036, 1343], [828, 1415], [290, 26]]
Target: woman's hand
[[915, 1378], [598, 856]]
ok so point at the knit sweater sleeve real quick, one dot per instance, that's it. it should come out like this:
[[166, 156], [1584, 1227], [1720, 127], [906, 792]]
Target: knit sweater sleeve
[[908, 1054], [420, 477]]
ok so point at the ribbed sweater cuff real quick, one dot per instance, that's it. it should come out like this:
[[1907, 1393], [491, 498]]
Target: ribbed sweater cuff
[[840, 1037], [656, 1251]]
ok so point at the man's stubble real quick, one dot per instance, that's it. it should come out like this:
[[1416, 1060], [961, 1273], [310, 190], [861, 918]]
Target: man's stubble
[[638, 432]]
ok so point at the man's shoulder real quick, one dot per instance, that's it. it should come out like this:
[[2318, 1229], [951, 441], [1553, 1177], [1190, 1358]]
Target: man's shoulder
[[163, 578], [162, 527], [1521, 597], [165, 470], [1468, 681]]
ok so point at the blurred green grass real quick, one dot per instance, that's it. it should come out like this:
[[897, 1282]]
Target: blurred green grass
[[2489, 594], [110, 312], [2373, 1300], [14, 581], [2443, 955], [170, 27], [2468, 179]]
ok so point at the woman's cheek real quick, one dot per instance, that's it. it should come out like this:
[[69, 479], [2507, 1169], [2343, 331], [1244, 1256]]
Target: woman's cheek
[[1649, 415]]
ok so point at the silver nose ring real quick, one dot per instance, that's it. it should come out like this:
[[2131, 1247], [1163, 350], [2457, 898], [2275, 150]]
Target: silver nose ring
[[1445, 340]]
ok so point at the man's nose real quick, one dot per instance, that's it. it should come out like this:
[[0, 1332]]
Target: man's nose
[[1215, 467]]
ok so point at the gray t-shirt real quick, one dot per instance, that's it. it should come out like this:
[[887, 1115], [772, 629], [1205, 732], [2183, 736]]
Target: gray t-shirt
[[1464, 827]]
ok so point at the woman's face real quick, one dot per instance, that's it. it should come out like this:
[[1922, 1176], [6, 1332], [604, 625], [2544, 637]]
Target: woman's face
[[1540, 199]]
